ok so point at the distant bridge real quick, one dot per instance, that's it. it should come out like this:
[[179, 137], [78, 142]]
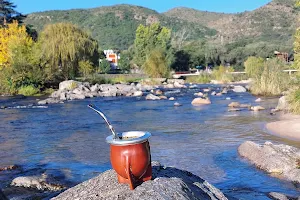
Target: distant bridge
[[290, 71]]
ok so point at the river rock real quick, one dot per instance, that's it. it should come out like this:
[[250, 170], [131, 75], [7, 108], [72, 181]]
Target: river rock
[[167, 183], [258, 100], [69, 85], [213, 93], [177, 104], [179, 85], [206, 90], [63, 96], [158, 92], [278, 196], [172, 99], [282, 160], [10, 167], [282, 104], [169, 86], [36, 182], [199, 94], [233, 109], [95, 88], [234, 105], [163, 97], [239, 88], [49, 101], [179, 81], [257, 108], [137, 94], [152, 97], [200, 101]]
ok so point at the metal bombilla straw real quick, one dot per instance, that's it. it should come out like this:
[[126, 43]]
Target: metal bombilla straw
[[97, 110]]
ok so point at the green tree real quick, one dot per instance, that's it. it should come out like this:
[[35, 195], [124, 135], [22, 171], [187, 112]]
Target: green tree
[[8, 13], [254, 66], [125, 61], [104, 66], [149, 38], [157, 64], [86, 68], [63, 46]]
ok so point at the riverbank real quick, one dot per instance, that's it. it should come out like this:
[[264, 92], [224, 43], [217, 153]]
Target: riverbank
[[287, 127]]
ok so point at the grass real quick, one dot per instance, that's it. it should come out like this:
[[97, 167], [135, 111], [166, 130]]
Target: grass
[[294, 101], [201, 78], [272, 81], [29, 90]]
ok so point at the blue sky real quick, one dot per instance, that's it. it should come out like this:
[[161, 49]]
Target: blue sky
[[227, 6]]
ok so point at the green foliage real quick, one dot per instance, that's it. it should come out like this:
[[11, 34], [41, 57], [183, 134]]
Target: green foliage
[[149, 38], [157, 64], [85, 68], [294, 101], [104, 66], [124, 62], [63, 45], [201, 78], [254, 66], [221, 74], [296, 64], [272, 81], [28, 90]]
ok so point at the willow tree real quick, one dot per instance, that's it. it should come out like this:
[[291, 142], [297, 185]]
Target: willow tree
[[63, 46]]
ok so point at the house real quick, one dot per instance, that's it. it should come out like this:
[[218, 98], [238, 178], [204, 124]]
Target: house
[[113, 57], [282, 55]]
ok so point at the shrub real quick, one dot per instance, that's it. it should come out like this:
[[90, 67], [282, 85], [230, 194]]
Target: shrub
[[254, 66], [104, 66], [294, 101], [85, 68], [157, 64], [28, 90], [201, 78], [221, 74], [272, 80]]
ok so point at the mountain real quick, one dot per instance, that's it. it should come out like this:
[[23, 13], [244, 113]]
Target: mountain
[[114, 26], [274, 22]]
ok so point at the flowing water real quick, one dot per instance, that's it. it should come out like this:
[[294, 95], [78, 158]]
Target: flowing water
[[68, 140]]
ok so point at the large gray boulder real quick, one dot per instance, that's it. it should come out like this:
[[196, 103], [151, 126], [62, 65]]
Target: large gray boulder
[[282, 104], [280, 160], [69, 85], [239, 89], [168, 183]]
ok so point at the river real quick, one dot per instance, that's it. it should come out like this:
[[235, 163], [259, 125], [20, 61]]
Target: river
[[68, 140]]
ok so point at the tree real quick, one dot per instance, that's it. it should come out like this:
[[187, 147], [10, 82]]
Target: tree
[[104, 66], [8, 13], [85, 68], [63, 45], [157, 64], [125, 61], [254, 66], [149, 38], [179, 38]]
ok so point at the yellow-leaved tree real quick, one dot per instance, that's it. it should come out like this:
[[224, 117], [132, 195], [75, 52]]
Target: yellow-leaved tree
[[10, 37]]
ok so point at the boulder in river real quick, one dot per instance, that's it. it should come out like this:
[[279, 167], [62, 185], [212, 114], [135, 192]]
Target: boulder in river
[[239, 88], [69, 85], [152, 97], [280, 160], [201, 101], [282, 104], [167, 183]]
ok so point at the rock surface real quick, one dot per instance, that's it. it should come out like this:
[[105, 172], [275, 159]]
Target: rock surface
[[286, 128], [280, 160], [167, 183], [200, 101], [37, 182], [239, 89]]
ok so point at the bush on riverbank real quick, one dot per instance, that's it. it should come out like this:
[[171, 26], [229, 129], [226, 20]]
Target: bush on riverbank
[[28, 90], [294, 101], [272, 80], [201, 78]]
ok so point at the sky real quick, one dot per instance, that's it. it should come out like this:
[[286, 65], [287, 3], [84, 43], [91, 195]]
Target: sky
[[226, 6]]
